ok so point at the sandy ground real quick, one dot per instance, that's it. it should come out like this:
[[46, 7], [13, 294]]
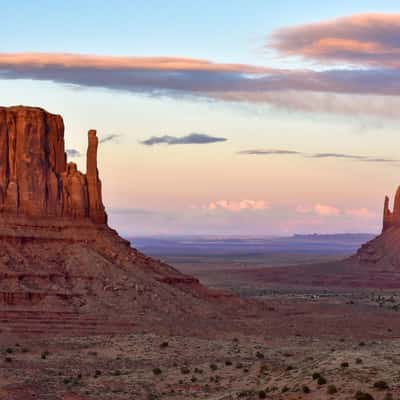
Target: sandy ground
[[310, 342], [147, 366]]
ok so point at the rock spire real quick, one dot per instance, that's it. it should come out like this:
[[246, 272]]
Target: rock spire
[[391, 218]]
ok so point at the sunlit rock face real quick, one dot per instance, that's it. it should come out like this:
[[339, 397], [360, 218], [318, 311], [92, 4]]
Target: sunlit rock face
[[391, 218], [35, 178]]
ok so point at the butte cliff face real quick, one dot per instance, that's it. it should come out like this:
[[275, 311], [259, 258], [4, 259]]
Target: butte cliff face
[[62, 269], [35, 178]]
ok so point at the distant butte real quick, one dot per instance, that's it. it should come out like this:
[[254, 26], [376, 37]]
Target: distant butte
[[62, 269], [384, 250]]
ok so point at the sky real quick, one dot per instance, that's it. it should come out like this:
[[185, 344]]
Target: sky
[[219, 118]]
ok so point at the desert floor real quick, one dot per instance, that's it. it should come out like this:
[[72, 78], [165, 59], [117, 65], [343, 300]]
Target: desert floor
[[314, 342]]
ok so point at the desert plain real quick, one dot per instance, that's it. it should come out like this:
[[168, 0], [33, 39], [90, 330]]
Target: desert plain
[[304, 334]]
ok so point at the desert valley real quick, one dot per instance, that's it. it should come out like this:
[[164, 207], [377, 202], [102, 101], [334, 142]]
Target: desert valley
[[86, 316], [199, 200]]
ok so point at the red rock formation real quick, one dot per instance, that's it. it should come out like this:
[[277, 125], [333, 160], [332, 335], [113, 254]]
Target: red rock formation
[[35, 179], [96, 208], [390, 218], [62, 269]]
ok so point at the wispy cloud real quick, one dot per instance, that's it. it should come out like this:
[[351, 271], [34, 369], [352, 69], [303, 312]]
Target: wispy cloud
[[353, 157], [323, 210], [109, 138], [73, 153], [269, 152], [192, 138], [360, 212], [326, 210]]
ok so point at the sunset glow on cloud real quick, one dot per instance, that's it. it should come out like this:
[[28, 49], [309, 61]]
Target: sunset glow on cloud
[[237, 206], [364, 39]]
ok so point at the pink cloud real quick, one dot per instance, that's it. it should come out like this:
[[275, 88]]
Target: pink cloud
[[325, 210], [364, 39], [237, 206], [372, 92], [319, 209], [360, 213], [75, 61]]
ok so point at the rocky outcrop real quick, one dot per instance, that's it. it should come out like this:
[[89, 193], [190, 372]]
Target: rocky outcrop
[[383, 252], [35, 178], [391, 218]]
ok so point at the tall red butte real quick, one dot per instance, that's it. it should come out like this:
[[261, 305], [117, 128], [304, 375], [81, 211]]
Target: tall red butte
[[62, 269]]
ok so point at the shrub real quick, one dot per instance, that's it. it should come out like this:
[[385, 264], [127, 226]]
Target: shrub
[[262, 394], [321, 380], [285, 389], [157, 371], [306, 389], [185, 370], [363, 396], [381, 385], [117, 372], [259, 355], [344, 364], [163, 345], [331, 389], [359, 361], [213, 367], [316, 375]]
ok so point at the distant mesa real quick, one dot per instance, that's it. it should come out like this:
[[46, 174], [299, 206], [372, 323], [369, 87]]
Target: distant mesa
[[35, 178]]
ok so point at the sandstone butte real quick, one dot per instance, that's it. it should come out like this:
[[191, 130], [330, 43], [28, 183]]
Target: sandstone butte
[[35, 178], [62, 268], [383, 252]]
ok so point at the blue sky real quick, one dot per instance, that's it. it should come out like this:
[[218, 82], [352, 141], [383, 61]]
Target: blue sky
[[225, 31], [203, 189]]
